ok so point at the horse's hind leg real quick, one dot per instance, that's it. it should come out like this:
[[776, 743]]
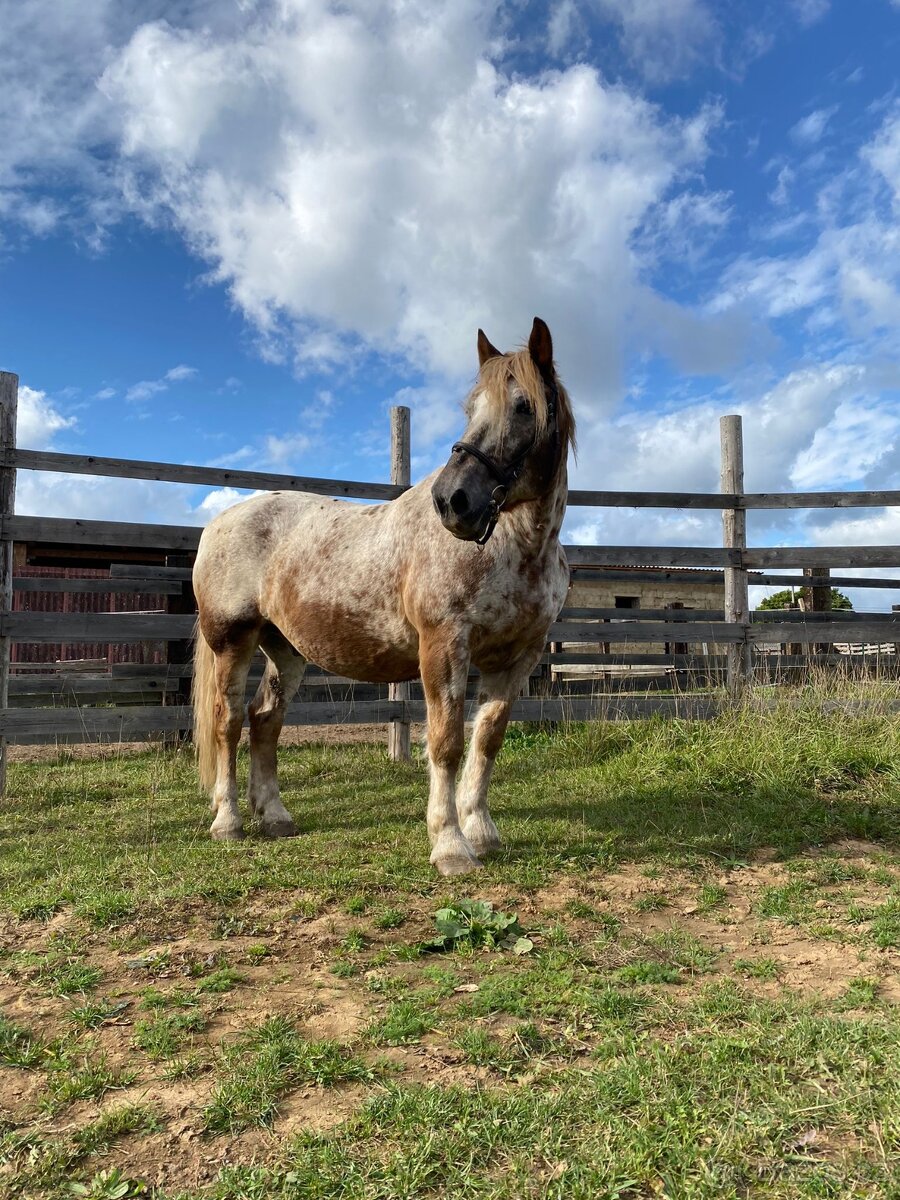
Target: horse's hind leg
[[497, 694], [283, 675], [231, 669]]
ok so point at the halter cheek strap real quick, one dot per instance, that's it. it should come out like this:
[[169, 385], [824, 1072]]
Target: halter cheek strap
[[507, 476]]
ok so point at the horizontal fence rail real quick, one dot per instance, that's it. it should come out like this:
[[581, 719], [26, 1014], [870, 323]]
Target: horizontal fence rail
[[124, 468], [602, 662]]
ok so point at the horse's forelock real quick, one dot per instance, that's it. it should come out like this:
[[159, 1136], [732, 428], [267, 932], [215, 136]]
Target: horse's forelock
[[519, 366]]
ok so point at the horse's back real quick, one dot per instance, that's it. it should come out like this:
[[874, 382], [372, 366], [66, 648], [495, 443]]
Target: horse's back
[[327, 573]]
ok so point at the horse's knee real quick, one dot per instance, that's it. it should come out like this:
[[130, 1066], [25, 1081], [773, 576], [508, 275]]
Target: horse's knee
[[491, 728], [446, 742]]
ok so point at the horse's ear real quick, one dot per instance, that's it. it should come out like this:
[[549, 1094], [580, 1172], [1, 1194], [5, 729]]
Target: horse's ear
[[485, 349], [540, 347]]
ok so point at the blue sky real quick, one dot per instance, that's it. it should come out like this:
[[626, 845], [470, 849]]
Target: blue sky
[[236, 233]]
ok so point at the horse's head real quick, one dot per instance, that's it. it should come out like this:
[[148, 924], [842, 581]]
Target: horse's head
[[517, 438]]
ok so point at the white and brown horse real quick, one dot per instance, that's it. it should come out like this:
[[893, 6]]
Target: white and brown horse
[[464, 568]]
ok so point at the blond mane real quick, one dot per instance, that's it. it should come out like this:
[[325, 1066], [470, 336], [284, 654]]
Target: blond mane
[[493, 380]]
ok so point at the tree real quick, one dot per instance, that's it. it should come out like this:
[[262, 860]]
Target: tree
[[784, 599]]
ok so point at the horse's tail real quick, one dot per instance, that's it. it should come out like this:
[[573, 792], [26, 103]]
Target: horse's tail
[[203, 697]]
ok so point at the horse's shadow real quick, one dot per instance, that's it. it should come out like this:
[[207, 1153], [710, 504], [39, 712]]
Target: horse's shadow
[[650, 822]]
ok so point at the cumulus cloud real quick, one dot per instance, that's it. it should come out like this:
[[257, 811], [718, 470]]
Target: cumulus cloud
[[832, 425], [367, 176], [39, 420]]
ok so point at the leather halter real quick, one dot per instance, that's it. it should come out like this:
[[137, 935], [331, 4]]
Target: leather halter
[[506, 476]]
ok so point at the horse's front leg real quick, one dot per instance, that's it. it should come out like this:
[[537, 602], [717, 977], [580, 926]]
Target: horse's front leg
[[445, 667], [497, 694]]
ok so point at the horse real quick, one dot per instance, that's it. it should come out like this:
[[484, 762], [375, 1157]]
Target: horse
[[465, 568]]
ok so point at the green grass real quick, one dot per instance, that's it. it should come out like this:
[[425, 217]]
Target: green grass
[[266, 1063], [647, 1045]]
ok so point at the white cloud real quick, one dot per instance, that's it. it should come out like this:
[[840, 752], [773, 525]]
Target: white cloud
[[810, 128], [344, 215], [808, 12], [860, 435], [563, 26], [179, 373], [38, 419], [280, 451], [220, 499], [663, 38], [148, 388], [846, 278], [831, 425]]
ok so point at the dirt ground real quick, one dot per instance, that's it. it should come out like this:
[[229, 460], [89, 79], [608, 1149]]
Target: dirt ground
[[296, 980]]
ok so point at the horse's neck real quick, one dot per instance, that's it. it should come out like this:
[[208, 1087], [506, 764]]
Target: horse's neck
[[538, 522]]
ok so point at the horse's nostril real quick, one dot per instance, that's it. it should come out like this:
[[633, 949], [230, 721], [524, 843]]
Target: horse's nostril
[[440, 504], [459, 502]]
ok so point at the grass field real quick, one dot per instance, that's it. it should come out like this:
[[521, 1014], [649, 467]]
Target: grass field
[[710, 1007]]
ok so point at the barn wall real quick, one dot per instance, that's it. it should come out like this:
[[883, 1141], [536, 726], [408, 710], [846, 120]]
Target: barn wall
[[78, 602], [602, 594]]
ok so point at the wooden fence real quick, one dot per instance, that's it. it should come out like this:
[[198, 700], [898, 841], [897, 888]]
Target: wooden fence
[[134, 700]]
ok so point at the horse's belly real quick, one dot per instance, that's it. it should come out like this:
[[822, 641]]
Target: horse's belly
[[358, 647]]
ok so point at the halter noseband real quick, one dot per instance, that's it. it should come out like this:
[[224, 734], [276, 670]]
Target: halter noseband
[[507, 476]]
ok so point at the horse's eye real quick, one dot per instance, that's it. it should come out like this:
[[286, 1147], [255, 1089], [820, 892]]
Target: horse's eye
[[522, 406]]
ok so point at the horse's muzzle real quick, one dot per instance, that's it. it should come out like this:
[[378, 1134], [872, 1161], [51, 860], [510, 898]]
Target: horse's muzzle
[[457, 514]]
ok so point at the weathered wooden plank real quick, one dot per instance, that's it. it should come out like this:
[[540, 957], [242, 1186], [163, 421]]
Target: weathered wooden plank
[[17, 724], [613, 662], [140, 571], [145, 586], [840, 581], [647, 631], [635, 575], [774, 500], [823, 556], [94, 627], [603, 708], [826, 631], [717, 500], [691, 615], [582, 498], [641, 614], [844, 616], [92, 687], [9, 401], [69, 532], [399, 749], [734, 537], [127, 468], [651, 556]]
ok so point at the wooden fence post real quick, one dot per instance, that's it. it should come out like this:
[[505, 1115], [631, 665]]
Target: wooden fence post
[[9, 400], [181, 653], [734, 528], [401, 473], [817, 599]]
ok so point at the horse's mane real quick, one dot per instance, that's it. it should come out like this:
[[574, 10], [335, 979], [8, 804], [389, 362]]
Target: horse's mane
[[493, 380]]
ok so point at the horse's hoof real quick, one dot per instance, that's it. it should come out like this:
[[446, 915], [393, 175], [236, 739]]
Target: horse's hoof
[[457, 864], [278, 829], [226, 835], [484, 848], [482, 836]]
